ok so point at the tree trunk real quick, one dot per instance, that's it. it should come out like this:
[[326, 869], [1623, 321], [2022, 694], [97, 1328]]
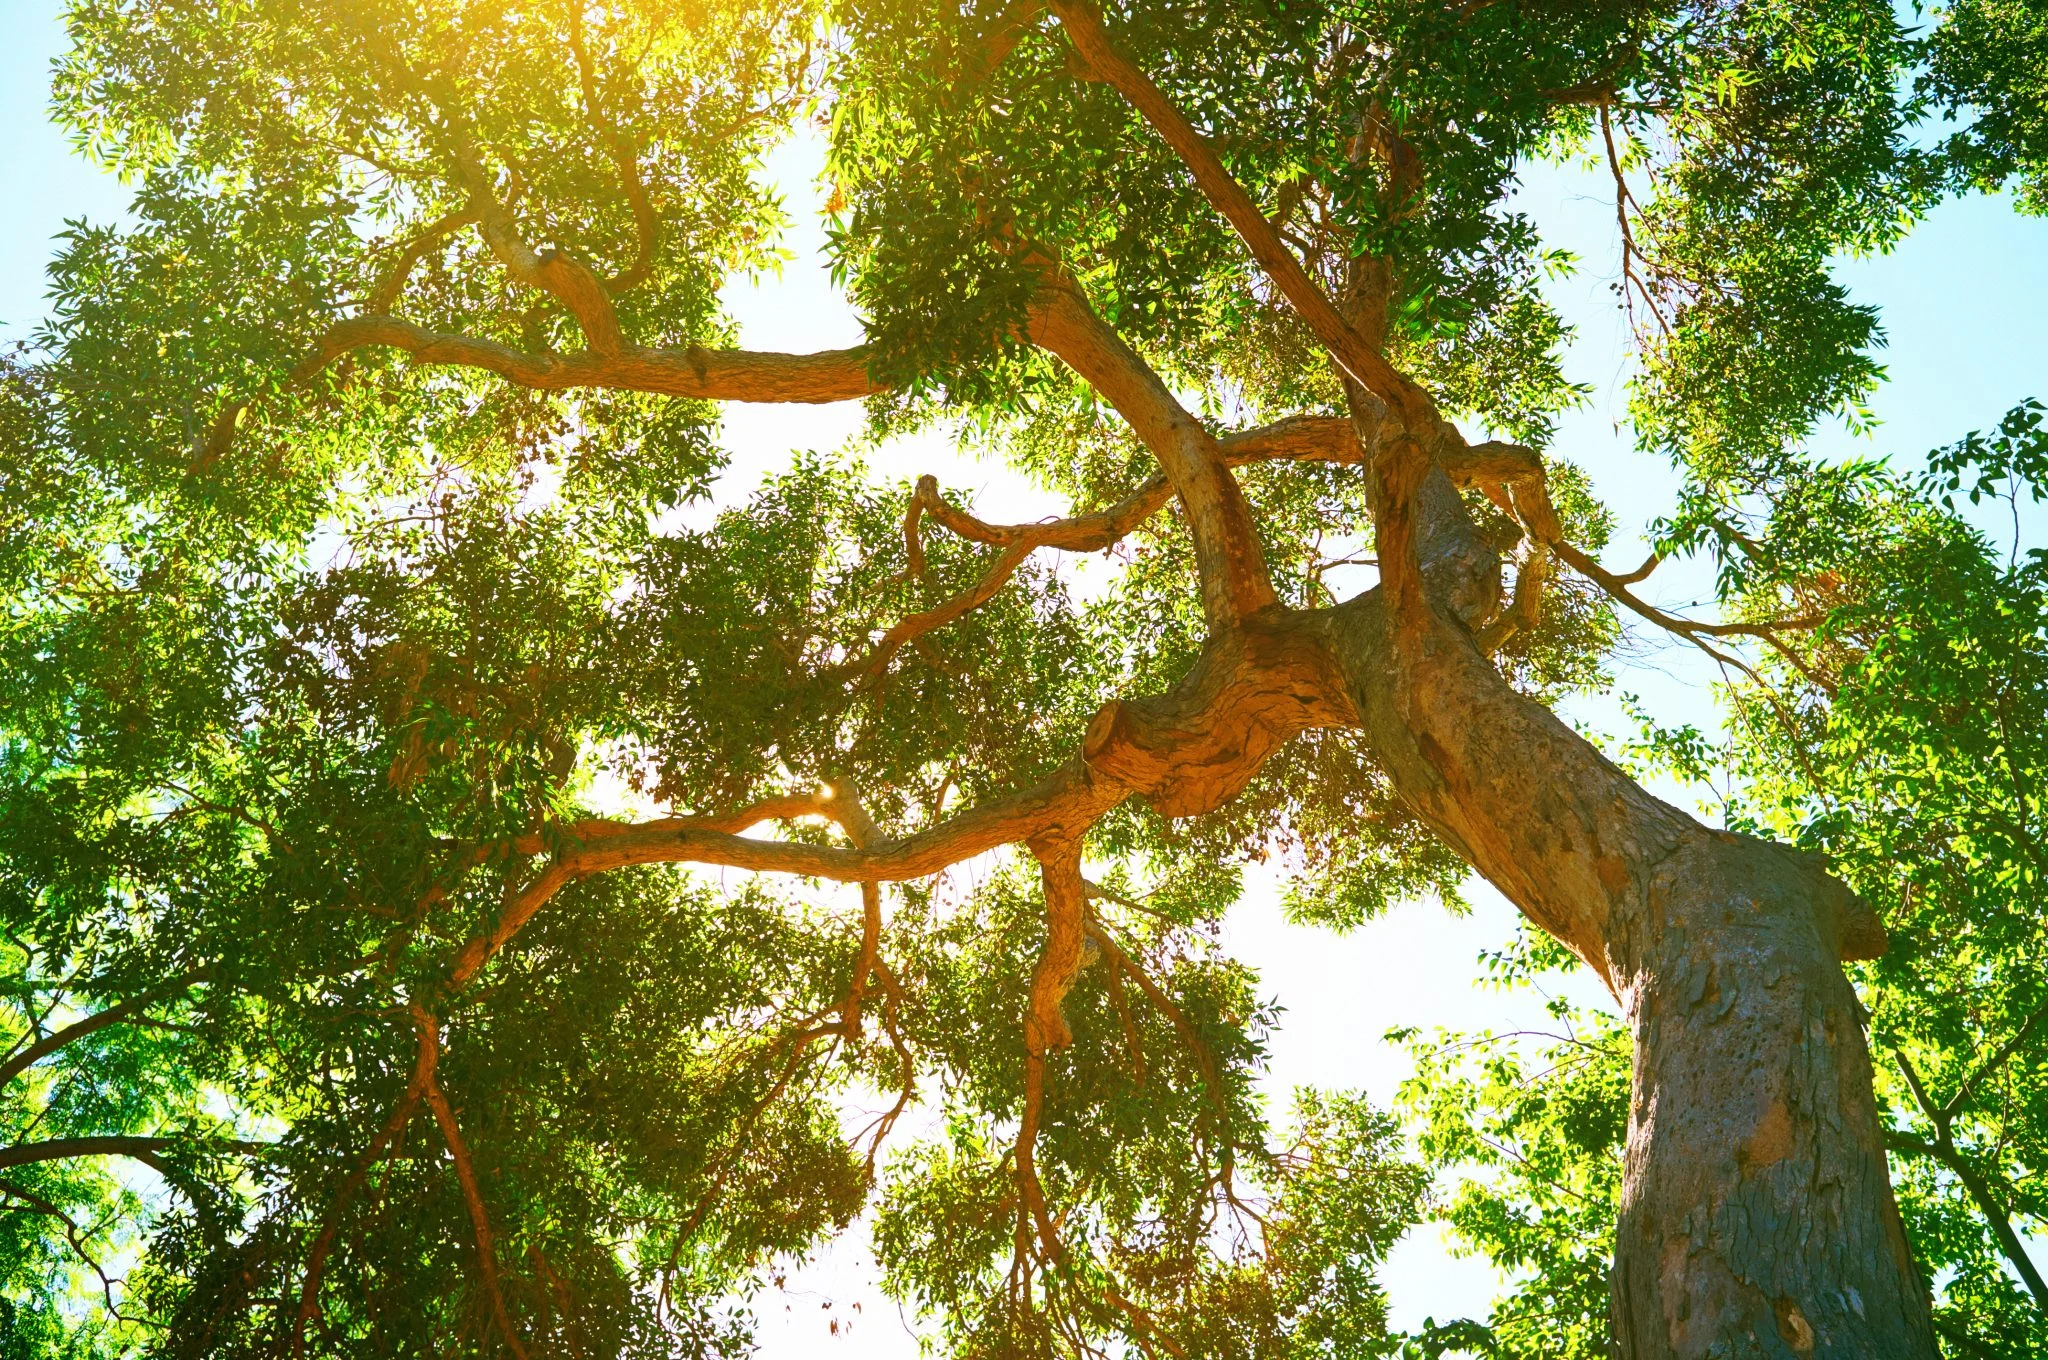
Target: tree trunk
[[1757, 1216]]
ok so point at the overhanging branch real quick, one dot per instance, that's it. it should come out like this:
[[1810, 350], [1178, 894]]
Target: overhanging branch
[[694, 372]]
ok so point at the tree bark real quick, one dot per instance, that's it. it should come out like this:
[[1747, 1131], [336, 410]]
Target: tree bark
[[1757, 1207], [1757, 1217]]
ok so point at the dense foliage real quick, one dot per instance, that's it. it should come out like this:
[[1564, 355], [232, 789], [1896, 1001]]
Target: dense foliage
[[323, 650]]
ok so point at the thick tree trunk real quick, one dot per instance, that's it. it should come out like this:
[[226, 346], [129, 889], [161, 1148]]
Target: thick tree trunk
[[1757, 1216]]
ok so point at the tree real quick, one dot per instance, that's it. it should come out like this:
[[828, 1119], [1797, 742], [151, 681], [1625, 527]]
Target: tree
[[343, 557]]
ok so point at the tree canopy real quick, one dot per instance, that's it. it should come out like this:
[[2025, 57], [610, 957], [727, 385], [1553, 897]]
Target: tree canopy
[[378, 677]]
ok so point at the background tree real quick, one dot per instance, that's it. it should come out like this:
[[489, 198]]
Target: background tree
[[342, 562]]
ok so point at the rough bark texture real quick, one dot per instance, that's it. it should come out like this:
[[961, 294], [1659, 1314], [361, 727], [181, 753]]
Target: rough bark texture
[[1757, 1215]]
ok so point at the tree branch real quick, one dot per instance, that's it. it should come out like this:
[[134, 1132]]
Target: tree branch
[[1944, 1150], [92, 1024], [552, 271], [1979, 1189], [472, 1194], [1365, 365], [386, 294], [913, 626], [427, 1054], [1994, 1062], [1185, 751], [73, 1234], [148, 1151], [694, 372], [1045, 1022], [1235, 582], [647, 227]]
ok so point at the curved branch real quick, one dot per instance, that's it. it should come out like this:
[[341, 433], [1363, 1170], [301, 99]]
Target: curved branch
[[913, 626], [385, 297], [1185, 751], [73, 1234], [554, 272], [1513, 477], [1768, 632], [1525, 610], [1045, 1022], [1082, 533], [1232, 563], [1121, 961], [1327, 439], [1299, 439]]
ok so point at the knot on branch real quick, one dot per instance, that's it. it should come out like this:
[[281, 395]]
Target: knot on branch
[[1192, 749]]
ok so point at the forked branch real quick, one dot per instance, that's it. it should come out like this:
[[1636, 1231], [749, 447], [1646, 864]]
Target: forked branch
[[426, 1055]]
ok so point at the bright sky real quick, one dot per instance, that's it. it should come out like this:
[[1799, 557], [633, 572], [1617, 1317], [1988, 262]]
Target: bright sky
[[1964, 303]]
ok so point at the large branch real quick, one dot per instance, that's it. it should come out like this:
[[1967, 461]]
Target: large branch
[[704, 374], [472, 1193], [1185, 751], [1235, 583], [1046, 1029], [1365, 364], [426, 1056]]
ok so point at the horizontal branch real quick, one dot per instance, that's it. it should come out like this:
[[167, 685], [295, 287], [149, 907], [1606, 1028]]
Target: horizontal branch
[[1300, 439], [695, 372], [1075, 794], [1186, 751], [145, 1150]]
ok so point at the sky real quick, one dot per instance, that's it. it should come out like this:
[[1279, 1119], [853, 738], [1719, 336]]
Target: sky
[[1963, 302]]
